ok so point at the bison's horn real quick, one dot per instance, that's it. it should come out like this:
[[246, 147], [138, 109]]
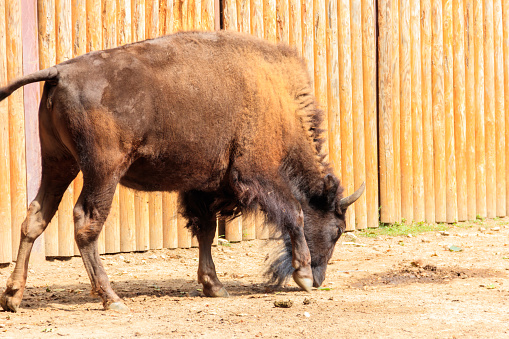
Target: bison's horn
[[347, 201]]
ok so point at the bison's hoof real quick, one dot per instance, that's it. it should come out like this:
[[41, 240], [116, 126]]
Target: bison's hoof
[[305, 283], [118, 307], [10, 303], [216, 293]]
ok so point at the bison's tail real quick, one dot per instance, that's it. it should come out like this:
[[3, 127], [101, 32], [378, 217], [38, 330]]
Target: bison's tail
[[43, 75]]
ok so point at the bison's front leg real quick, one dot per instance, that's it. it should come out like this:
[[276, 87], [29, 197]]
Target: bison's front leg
[[212, 287], [301, 258]]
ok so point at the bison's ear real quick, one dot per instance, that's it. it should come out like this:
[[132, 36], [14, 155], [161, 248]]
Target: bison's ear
[[330, 188]]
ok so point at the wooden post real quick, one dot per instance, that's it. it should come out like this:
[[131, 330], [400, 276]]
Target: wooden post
[[333, 87], [505, 23], [233, 230], [156, 220], [282, 21], [359, 150], [370, 111], [470, 108], [459, 106], [244, 16], [79, 47], [489, 111], [207, 14], [437, 76], [416, 109], [345, 100], [126, 195], [407, 181], [295, 13], [427, 117], [500, 140], [480, 156], [64, 52], [16, 120], [320, 60], [385, 112], [257, 18], [451, 195], [184, 236], [112, 224], [31, 98], [307, 36], [170, 231], [269, 20], [47, 58], [5, 183], [141, 217], [396, 108]]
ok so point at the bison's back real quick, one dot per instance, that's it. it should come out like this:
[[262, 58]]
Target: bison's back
[[183, 106]]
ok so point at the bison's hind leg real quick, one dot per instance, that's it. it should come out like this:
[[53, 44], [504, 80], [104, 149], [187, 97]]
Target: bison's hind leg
[[197, 208], [57, 174]]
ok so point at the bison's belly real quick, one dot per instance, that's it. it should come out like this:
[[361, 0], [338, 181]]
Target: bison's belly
[[169, 175]]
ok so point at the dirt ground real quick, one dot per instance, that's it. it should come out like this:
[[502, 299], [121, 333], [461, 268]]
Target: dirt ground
[[431, 285]]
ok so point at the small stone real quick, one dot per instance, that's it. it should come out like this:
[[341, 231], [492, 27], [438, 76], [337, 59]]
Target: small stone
[[409, 235], [283, 303], [417, 263], [444, 233], [163, 256], [222, 241], [153, 256], [482, 229], [497, 228], [307, 315], [306, 301]]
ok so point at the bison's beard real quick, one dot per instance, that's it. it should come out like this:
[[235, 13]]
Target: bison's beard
[[280, 267]]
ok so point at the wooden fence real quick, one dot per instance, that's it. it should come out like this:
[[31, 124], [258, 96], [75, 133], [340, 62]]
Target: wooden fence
[[416, 93]]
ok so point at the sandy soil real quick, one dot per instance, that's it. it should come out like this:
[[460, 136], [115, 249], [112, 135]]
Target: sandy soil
[[409, 287]]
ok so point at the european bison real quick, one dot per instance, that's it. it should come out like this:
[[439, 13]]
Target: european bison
[[227, 120]]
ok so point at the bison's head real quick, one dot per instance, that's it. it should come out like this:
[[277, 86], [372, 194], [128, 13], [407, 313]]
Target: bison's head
[[324, 222]]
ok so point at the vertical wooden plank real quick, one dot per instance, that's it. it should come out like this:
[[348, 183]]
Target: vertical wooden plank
[[230, 15], [307, 36], [489, 111], [269, 20], [459, 106], [112, 224], [207, 14], [126, 195], [5, 183], [359, 151], [416, 107], [407, 181], [370, 128], [155, 198], [427, 118], [184, 236], [295, 28], [233, 230], [64, 52], [505, 23], [244, 24], [396, 108], [156, 220], [480, 156], [94, 43], [197, 14], [282, 21], [79, 47], [499, 108], [170, 232], [345, 100], [141, 217], [470, 108], [141, 199], [320, 59], [16, 119], [437, 69], [31, 98], [386, 152], [47, 58], [451, 195], [333, 87], [257, 18]]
